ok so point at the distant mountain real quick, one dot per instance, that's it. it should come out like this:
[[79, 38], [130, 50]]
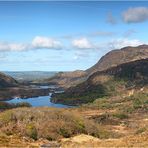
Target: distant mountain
[[117, 57], [7, 81], [10, 88], [111, 59], [67, 79], [109, 82], [30, 75]]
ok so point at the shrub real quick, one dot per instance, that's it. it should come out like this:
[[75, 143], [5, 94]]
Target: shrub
[[23, 104], [141, 130], [48, 123], [80, 125], [64, 132], [31, 131], [7, 117], [121, 115], [6, 105]]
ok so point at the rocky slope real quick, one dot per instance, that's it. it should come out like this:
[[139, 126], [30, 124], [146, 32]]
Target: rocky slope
[[7, 81], [107, 83], [111, 59]]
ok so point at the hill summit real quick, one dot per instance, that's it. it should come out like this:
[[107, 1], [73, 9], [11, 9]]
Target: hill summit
[[120, 56]]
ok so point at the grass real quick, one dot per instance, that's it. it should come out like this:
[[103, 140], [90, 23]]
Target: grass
[[142, 130], [101, 103], [124, 105], [120, 115], [138, 101]]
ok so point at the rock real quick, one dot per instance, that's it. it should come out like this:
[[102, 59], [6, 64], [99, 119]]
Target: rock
[[52, 144]]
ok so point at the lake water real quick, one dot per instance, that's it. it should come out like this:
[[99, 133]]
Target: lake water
[[39, 101]]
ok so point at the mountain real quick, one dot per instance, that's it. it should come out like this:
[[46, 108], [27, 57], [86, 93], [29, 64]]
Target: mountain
[[118, 119], [111, 82], [10, 88], [30, 75], [120, 56], [67, 79], [7, 81], [111, 59]]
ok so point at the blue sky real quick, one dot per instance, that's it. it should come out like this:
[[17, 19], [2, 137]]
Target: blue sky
[[66, 36]]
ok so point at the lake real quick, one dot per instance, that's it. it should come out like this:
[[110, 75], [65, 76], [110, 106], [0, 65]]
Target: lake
[[38, 101]]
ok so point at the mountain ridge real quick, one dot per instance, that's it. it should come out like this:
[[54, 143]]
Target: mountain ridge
[[107, 83], [111, 59], [119, 56]]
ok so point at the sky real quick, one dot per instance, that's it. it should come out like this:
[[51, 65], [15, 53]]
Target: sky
[[67, 36]]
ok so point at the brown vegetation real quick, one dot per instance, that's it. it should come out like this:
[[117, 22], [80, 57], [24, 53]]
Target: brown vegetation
[[48, 123]]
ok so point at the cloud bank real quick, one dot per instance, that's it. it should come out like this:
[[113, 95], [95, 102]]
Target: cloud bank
[[5, 46], [78, 44], [135, 15], [105, 47]]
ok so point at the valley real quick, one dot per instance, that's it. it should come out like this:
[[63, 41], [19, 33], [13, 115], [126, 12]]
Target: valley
[[106, 108], [73, 74]]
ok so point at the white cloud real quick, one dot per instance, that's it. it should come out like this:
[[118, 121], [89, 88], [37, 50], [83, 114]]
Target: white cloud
[[45, 42], [103, 47], [82, 43], [120, 43], [135, 15], [4, 46], [37, 43]]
